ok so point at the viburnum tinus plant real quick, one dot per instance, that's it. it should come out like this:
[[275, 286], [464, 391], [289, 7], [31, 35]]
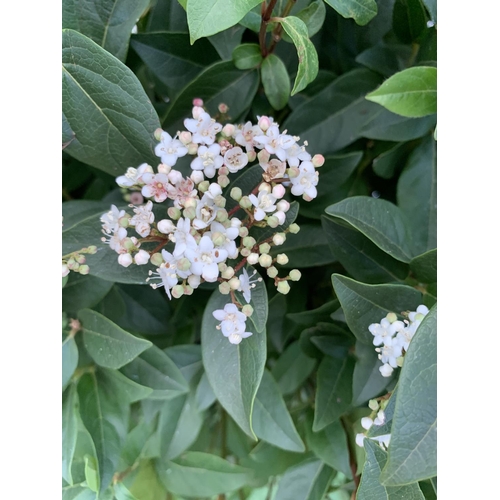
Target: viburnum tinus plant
[[237, 321]]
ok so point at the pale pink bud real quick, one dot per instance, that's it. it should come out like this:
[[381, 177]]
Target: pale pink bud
[[174, 213], [185, 137], [177, 291], [190, 203], [228, 130], [253, 258], [251, 155], [306, 197], [197, 111], [318, 160], [166, 226], [84, 269], [174, 176], [197, 101], [65, 270], [223, 180], [264, 123], [279, 191], [163, 168], [192, 148], [136, 198], [223, 108], [265, 187], [293, 172], [283, 206], [223, 171], [263, 157], [125, 259], [141, 257], [197, 176]]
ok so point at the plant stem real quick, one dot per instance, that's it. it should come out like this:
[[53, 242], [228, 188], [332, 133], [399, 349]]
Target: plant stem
[[266, 15], [352, 455], [278, 30]]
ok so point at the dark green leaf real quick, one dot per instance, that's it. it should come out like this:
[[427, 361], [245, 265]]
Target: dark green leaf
[[234, 371], [292, 369], [107, 22], [417, 195], [424, 267], [205, 396], [106, 107], [247, 56], [119, 384], [308, 57], [188, 359], [271, 421], [197, 474], [276, 81], [83, 291], [386, 164], [431, 8], [84, 447], [69, 359], [313, 17], [136, 443], [207, 17], [69, 431], [334, 392], [408, 20], [219, 83], [107, 343], [74, 211], [313, 316], [307, 480], [411, 92], [366, 304], [226, 41], [370, 487], [363, 259], [412, 452], [362, 11], [167, 15], [385, 59]]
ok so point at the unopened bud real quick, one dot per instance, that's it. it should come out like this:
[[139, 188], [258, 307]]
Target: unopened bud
[[243, 231], [224, 288], [295, 275], [203, 186], [283, 206], [197, 101], [245, 202], [166, 226], [306, 197], [185, 137], [234, 283], [280, 216], [283, 287], [249, 241], [156, 259], [228, 273], [236, 194], [92, 249], [197, 109], [189, 213], [279, 191], [373, 404], [366, 422], [221, 215], [197, 176], [192, 149], [228, 130], [282, 259], [188, 290], [293, 172], [318, 160], [125, 259], [273, 221], [141, 257], [245, 252], [194, 280], [263, 156], [220, 201], [223, 180], [184, 264], [264, 123], [177, 291], [265, 260], [279, 239], [251, 155], [264, 248], [65, 270], [253, 258], [174, 213], [294, 228], [272, 272], [164, 169], [223, 108], [73, 265], [80, 259], [265, 187], [218, 238], [84, 269], [190, 203], [128, 244], [247, 310], [158, 133], [391, 317]]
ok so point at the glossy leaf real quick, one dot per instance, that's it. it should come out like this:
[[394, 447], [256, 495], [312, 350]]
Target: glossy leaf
[[247, 56], [198, 474], [308, 57], [424, 267], [123, 493], [276, 81], [128, 390], [362, 11], [313, 17], [313, 316], [226, 41], [412, 454], [205, 396], [409, 20], [207, 17], [387, 163], [334, 390], [370, 487], [106, 108], [411, 92], [107, 22], [234, 371], [365, 304], [380, 221], [83, 291], [69, 359], [69, 431], [417, 195], [384, 58], [107, 343], [271, 421]]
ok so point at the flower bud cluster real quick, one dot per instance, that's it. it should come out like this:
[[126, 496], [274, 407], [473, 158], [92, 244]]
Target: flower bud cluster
[[377, 418], [195, 242], [75, 261], [393, 337]]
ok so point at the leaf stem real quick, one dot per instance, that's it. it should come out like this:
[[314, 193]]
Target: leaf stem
[[266, 13], [278, 30]]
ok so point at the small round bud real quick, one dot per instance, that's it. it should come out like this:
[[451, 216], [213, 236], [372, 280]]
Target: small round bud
[[223, 108], [166, 226], [222, 266], [264, 123], [174, 213], [128, 244], [220, 201], [253, 258], [218, 238], [265, 187], [318, 160], [373, 404], [245, 202], [188, 290], [400, 361], [223, 181], [386, 370], [203, 186], [156, 259], [141, 257], [279, 239], [198, 110], [197, 101], [184, 264], [84, 269], [236, 194], [366, 422], [189, 213], [228, 130], [92, 249], [234, 283], [80, 259], [136, 198], [280, 216], [306, 197], [360, 437], [282, 259], [194, 280], [228, 273], [272, 272], [283, 206], [294, 228], [249, 241], [224, 288], [251, 156], [247, 310], [223, 170], [295, 275], [190, 202], [243, 231], [185, 137], [158, 133], [245, 252], [263, 157], [192, 150], [283, 287], [273, 221], [293, 172], [391, 317], [279, 191], [221, 215], [197, 176], [177, 291], [419, 317], [265, 260], [163, 168], [264, 248], [125, 259]]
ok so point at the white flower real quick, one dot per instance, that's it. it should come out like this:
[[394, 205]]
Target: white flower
[[182, 237], [206, 209], [157, 186], [166, 273], [246, 284], [380, 332], [204, 259], [245, 135], [133, 176], [366, 422], [382, 440], [232, 323], [405, 335], [307, 180], [170, 149], [274, 142], [143, 218], [235, 159], [110, 220], [380, 419], [65, 270], [419, 314], [125, 259], [204, 128], [209, 160], [295, 154], [264, 203], [230, 234], [389, 354], [360, 437], [386, 370], [115, 241]]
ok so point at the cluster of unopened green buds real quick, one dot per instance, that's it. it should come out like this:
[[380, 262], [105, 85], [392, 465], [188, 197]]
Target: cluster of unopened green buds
[[377, 418], [75, 261]]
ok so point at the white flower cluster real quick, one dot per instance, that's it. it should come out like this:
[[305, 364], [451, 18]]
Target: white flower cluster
[[194, 243], [393, 337], [377, 418]]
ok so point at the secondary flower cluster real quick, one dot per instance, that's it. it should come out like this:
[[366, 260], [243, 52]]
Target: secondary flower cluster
[[377, 418], [393, 337], [201, 240], [75, 261]]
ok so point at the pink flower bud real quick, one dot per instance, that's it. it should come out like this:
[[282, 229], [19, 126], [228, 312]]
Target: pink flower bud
[[228, 130], [163, 168], [125, 259], [279, 191], [185, 137], [251, 155], [283, 206], [223, 170], [264, 123], [318, 160], [197, 101], [174, 176], [65, 270], [263, 157], [197, 176], [136, 198], [223, 181], [197, 112], [280, 216], [223, 108], [141, 257]]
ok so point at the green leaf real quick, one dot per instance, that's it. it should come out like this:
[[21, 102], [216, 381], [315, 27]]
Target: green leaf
[[234, 371], [84, 447], [409, 20], [91, 473], [136, 443], [362, 11], [431, 8], [308, 248], [384, 58], [153, 368], [308, 57], [106, 419], [307, 480], [69, 431], [226, 41], [188, 359], [313, 17], [69, 359], [74, 211], [207, 17], [334, 390], [83, 291], [198, 474], [386, 164], [314, 316], [147, 484], [367, 381], [123, 493], [366, 304], [412, 454], [219, 83], [292, 369], [424, 267], [106, 107], [276, 81], [417, 195], [247, 56], [334, 117], [107, 343], [370, 487], [107, 22], [271, 420], [119, 384], [205, 396], [411, 93], [77, 492], [385, 428], [170, 57], [330, 445], [364, 260], [380, 221]]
